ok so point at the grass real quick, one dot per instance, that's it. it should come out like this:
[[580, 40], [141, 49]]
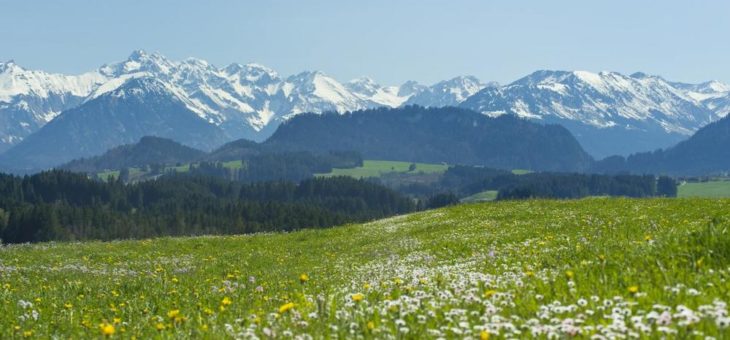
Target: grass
[[375, 168], [521, 172], [705, 189], [647, 268], [484, 196], [137, 173]]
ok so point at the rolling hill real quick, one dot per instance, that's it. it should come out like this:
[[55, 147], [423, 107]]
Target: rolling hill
[[436, 135], [521, 269], [707, 152]]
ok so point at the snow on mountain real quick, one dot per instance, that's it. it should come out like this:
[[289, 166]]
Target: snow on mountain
[[251, 100], [368, 90], [29, 99], [447, 93], [605, 101], [142, 106], [246, 101]]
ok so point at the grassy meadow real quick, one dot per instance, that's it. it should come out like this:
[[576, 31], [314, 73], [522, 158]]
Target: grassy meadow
[[376, 168], [644, 268], [720, 188]]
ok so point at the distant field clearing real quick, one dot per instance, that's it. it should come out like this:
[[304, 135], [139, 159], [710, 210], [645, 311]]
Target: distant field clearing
[[374, 168], [705, 189]]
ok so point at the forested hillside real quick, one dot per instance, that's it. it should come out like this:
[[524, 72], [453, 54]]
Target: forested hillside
[[435, 135], [707, 152]]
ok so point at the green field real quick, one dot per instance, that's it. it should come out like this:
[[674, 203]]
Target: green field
[[137, 173], [705, 189], [521, 172], [484, 196], [615, 267], [373, 168]]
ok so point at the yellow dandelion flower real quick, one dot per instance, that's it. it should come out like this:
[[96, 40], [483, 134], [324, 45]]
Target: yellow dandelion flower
[[173, 313], [484, 335], [633, 289], [286, 307], [357, 297], [371, 325], [366, 285], [160, 326], [303, 278], [117, 320], [28, 334], [68, 305], [488, 294], [107, 329], [647, 237], [226, 301], [569, 274], [175, 280], [529, 273]]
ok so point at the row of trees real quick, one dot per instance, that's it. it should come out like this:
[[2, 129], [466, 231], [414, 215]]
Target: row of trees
[[463, 181], [291, 166], [58, 205]]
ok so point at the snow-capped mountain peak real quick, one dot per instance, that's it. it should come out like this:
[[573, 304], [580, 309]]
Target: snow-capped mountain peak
[[447, 93], [140, 61]]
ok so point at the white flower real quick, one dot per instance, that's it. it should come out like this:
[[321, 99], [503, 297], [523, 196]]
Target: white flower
[[722, 322]]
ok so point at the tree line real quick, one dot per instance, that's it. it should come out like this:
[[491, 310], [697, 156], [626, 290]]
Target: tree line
[[60, 205]]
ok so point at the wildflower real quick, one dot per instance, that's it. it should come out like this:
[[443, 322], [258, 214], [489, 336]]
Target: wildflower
[[160, 326], [366, 285], [303, 278], [27, 334], [633, 289], [107, 329], [488, 294], [226, 301], [68, 305], [722, 323], [286, 307], [173, 313], [175, 280], [484, 335], [117, 320], [370, 325], [357, 297], [647, 238], [569, 274]]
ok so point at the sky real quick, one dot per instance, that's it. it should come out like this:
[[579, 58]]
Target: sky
[[389, 40]]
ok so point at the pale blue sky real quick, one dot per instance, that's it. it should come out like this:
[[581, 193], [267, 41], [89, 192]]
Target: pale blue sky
[[391, 41]]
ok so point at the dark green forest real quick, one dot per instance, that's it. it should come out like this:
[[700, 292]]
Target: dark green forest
[[435, 135], [462, 181], [59, 205]]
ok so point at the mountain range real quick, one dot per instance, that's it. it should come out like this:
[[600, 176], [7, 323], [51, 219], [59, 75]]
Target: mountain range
[[609, 113], [245, 101]]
